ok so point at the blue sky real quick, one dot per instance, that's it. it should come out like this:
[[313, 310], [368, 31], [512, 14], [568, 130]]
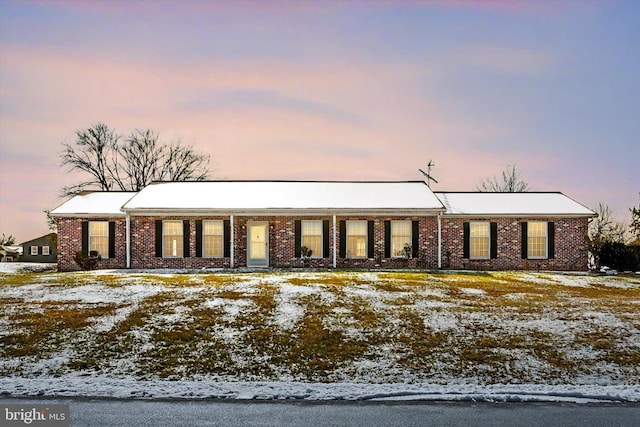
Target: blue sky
[[328, 90]]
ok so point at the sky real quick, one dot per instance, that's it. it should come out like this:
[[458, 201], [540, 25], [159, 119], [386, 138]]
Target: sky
[[328, 90]]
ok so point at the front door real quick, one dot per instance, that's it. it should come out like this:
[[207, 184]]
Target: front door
[[258, 243]]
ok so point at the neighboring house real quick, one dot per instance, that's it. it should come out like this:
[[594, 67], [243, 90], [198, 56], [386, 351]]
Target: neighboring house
[[10, 253], [228, 224], [40, 249]]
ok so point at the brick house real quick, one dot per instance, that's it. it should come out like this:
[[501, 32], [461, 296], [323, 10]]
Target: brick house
[[285, 224]]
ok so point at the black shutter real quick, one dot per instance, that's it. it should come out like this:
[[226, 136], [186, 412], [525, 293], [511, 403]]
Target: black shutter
[[297, 225], [551, 239], [387, 239], [199, 238], [185, 238], [343, 239], [493, 240], [85, 238], [325, 238], [415, 238], [112, 239], [227, 238], [370, 235], [525, 239], [158, 238], [465, 240]]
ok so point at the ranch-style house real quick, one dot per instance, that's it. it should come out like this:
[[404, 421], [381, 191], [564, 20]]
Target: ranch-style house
[[322, 224]]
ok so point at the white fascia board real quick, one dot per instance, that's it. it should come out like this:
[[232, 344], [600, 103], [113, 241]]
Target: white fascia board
[[285, 212], [518, 215], [88, 215]]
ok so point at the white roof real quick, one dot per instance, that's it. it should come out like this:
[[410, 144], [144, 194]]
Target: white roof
[[512, 204], [94, 204], [283, 196]]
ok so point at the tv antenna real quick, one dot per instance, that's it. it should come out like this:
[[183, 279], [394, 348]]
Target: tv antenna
[[427, 174]]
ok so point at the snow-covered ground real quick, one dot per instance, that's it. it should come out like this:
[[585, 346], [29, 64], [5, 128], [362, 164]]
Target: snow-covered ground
[[502, 337], [26, 267]]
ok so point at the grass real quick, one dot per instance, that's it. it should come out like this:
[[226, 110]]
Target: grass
[[343, 326]]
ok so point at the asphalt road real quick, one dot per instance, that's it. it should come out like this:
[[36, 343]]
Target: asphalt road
[[154, 413]]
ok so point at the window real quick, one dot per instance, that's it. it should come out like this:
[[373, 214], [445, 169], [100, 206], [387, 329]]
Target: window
[[400, 237], [356, 239], [34, 250], [172, 239], [99, 238], [537, 239], [479, 240], [312, 237], [45, 250], [212, 237]]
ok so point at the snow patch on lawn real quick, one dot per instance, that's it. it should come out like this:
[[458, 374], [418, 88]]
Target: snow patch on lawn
[[26, 267], [101, 386]]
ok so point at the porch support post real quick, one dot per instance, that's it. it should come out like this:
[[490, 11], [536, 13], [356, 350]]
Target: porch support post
[[232, 242], [439, 239], [128, 238], [334, 243]]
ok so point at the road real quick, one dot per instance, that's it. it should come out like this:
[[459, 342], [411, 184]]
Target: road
[[154, 413]]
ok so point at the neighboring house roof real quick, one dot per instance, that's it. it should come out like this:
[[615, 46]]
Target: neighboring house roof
[[512, 204], [284, 196], [11, 249], [94, 204], [50, 236]]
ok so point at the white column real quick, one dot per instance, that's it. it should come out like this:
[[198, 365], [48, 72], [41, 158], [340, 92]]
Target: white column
[[128, 238], [439, 240], [334, 243], [232, 248]]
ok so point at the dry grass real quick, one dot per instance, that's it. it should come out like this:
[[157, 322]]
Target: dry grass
[[495, 327]]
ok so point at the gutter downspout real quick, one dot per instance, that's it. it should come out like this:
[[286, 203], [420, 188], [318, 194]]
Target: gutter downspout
[[334, 242], [232, 237], [439, 240], [128, 238]]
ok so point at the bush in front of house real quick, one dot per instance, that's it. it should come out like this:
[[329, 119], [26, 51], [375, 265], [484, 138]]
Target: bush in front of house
[[87, 262]]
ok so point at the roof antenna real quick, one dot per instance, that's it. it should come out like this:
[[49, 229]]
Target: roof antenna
[[428, 173]]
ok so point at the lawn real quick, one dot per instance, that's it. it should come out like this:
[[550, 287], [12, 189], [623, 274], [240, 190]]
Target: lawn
[[330, 327]]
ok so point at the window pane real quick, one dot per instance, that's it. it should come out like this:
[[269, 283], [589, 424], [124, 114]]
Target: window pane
[[45, 250], [400, 236], [34, 250], [356, 239], [312, 237], [172, 238], [537, 241], [99, 237], [479, 240], [212, 238]]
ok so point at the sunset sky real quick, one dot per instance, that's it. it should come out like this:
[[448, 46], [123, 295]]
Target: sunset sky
[[344, 90]]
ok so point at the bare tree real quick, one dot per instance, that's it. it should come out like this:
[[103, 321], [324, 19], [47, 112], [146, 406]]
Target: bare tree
[[129, 164], [635, 221], [603, 229], [7, 240], [511, 181]]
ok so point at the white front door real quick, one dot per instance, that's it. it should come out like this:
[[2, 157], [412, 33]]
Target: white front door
[[258, 244]]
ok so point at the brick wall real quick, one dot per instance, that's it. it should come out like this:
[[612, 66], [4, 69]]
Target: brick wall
[[70, 242], [570, 253]]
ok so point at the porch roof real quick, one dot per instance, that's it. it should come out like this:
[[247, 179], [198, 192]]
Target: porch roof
[[284, 196]]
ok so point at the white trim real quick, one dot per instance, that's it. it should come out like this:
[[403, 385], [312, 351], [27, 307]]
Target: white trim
[[410, 242], [302, 221], [546, 240], [282, 212], [127, 236], [266, 242], [48, 251], [164, 235], [204, 234], [440, 240], [366, 239], [31, 250], [232, 241], [335, 260]]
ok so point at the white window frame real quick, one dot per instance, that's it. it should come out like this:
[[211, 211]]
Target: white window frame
[[179, 246], [46, 250], [314, 253], [546, 239], [33, 249], [473, 224], [204, 238], [394, 225], [366, 237], [91, 237]]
